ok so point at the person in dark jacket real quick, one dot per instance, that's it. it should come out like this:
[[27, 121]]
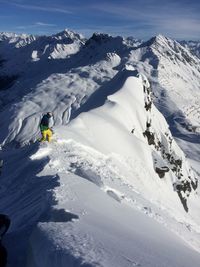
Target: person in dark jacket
[[45, 127]]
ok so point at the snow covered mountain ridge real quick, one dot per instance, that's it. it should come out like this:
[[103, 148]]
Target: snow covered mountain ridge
[[126, 122]]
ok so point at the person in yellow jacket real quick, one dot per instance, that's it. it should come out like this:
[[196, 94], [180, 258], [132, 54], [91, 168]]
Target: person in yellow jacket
[[45, 127]]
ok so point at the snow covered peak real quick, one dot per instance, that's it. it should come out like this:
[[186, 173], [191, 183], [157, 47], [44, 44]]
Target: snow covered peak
[[69, 35], [18, 40], [7, 35], [159, 39], [168, 47]]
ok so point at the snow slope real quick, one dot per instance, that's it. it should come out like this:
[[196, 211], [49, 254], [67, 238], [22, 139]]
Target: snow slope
[[92, 188], [65, 82], [86, 198], [98, 147], [103, 232]]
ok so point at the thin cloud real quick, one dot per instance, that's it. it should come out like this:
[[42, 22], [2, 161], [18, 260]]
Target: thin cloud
[[43, 8], [174, 18], [35, 25], [147, 12], [45, 24]]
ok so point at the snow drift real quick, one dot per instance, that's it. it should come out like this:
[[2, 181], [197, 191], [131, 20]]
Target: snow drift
[[107, 175]]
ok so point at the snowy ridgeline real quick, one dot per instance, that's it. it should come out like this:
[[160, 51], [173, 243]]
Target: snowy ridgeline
[[60, 72], [85, 196], [89, 190]]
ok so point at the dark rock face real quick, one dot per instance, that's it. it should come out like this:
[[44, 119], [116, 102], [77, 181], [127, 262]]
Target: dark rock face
[[169, 160], [184, 184], [161, 171], [150, 137]]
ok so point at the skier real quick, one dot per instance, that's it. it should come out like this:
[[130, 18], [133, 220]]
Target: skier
[[45, 127], [4, 225]]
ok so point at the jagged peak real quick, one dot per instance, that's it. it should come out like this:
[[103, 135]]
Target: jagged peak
[[7, 35], [69, 34], [157, 40], [160, 42], [101, 38], [11, 35]]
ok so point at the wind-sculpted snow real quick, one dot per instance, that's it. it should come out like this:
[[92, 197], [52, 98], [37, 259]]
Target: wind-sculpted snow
[[107, 175], [85, 198]]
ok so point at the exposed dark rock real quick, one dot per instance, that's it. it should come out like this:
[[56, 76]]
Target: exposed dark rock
[[161, 171], [132, 131], [150, 137], [185, 187], [183, 201], [194, 184], [148, 106]]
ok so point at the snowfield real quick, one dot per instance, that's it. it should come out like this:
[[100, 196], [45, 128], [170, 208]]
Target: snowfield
[[118, 185]]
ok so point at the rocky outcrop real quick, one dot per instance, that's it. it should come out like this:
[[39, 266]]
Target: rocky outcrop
[[168, 159]]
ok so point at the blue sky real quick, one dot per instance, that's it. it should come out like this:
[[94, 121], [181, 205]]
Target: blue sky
[[178, 19]]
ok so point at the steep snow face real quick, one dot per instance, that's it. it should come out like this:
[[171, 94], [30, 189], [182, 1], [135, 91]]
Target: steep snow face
[[175, 76], [132, 109]]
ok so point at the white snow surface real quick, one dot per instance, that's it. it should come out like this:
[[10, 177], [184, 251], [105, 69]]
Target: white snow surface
[[91, 189], [92, 196]]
